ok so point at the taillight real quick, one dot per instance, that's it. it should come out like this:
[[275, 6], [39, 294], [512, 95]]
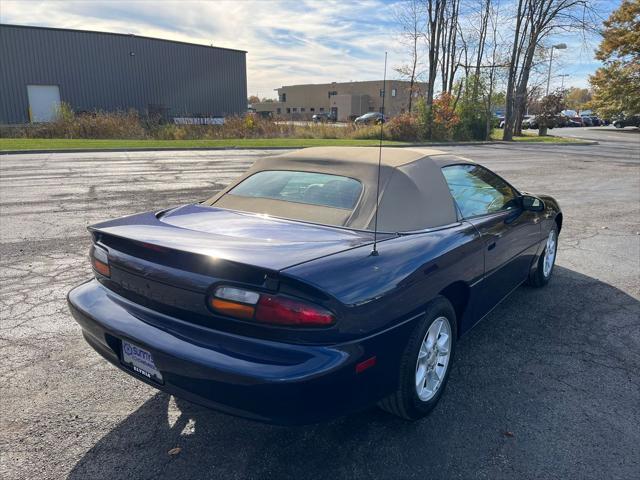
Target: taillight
[[100, 260], [268, 308], [286, 311]]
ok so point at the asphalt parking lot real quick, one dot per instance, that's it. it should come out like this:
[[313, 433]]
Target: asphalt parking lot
[[546, 387]]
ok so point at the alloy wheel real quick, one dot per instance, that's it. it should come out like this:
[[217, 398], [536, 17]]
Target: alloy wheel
[[433, 359]]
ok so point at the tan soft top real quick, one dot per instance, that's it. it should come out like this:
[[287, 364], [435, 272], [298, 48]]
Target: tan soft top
[[413, 192]]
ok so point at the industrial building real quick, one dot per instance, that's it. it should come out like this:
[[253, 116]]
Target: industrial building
[[90, 71], [344, 100]]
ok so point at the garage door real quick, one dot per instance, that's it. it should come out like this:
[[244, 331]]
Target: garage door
[[44, 101]]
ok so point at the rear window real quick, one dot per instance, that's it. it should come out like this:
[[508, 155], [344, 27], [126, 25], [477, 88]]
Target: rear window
[[301, 187]]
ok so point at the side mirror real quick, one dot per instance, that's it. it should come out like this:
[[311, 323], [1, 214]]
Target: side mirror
[[531, 203]]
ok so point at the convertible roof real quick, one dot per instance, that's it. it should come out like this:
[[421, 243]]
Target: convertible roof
[[413, 192]]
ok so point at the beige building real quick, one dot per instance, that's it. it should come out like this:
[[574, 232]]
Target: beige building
[[345, 100]]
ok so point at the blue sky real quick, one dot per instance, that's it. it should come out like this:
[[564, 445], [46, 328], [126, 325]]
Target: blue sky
[[288, 42]]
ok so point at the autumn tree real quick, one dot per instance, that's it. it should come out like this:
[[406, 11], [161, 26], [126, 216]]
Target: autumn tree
[[616, 85], [253, 99], [577, 98]]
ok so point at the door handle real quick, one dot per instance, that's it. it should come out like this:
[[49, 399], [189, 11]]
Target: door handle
[[491, 246]]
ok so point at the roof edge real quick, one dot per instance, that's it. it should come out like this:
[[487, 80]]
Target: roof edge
[[62, 29]]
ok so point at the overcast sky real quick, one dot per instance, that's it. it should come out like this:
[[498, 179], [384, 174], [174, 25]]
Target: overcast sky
[[288, 42]]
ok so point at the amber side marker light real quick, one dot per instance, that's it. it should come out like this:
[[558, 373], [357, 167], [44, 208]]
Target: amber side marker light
[[268, 308], [100, 261]]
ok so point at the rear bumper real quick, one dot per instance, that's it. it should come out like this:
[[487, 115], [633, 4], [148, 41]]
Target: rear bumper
[[259, 379]]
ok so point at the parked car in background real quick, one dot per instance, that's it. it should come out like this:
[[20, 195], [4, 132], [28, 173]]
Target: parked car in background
[[323, 118], [527, 121], [371, 118], [586, 121], [578, 120], [631, 121], [271, 301], [595, 121], [570, 122]]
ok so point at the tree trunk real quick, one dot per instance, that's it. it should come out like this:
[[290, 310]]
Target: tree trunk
[[513, 68], [435, 9]]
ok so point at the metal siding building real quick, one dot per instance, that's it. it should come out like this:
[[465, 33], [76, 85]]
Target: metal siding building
[[107, 71]]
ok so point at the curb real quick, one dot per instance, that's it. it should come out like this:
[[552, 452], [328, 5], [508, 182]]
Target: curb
[[186, 149]]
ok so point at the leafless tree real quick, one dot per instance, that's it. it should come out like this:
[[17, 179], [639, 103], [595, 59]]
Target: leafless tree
[[410, 17], [482, 39], [516, 51], [449, 60], [493, 15], [535, 21], [435, 23]]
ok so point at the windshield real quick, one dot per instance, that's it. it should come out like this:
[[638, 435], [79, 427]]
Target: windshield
[[301, 187]]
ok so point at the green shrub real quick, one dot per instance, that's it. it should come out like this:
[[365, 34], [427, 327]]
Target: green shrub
[[471, 112]]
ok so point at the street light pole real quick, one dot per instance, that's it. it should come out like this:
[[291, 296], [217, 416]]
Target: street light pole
[[560, 46]]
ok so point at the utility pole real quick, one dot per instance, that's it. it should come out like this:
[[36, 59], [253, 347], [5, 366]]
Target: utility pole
[[562, 76]]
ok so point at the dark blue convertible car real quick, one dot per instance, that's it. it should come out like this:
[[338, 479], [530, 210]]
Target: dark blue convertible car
[[270, 301]]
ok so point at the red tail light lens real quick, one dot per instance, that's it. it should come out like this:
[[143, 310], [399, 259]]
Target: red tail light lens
[[264, 308], [285, 311]]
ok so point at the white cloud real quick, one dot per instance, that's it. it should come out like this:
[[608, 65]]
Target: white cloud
[[288, 42]]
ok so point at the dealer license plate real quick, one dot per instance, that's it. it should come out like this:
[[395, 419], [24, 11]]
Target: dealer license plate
[[140, 361]]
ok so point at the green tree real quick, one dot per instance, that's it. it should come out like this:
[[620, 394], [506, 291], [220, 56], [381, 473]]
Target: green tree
[[616, 85]]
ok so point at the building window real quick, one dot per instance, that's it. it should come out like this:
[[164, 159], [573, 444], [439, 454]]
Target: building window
[[283, 97], [393, 92], [321, 109], [279, 110], [295, 109], [371, 109], [302, 109], [312, 109], [288, 110], [382, 92], [332, 93]]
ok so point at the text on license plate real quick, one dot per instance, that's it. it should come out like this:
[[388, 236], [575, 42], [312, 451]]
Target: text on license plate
[[140, 361]]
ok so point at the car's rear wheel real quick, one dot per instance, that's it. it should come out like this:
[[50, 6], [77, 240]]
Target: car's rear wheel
[[542, 274], [425, 364]]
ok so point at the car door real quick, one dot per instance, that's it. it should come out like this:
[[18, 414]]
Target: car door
[[509, 233]]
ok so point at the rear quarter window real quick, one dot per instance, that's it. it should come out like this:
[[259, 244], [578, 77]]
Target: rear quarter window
[[327, 190]]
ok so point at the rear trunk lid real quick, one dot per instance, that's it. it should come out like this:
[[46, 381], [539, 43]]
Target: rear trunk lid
[[170, 261], [264, 242]]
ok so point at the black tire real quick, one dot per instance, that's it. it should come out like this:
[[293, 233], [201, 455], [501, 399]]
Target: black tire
[[537, 278], [405, 402]]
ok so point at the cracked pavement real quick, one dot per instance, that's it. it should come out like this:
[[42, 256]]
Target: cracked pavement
[[547, 386]]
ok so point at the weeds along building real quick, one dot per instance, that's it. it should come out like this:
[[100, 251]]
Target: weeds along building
[[41, 67], [344, 100]]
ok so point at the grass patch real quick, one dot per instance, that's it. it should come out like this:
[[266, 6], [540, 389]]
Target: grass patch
[[532, 137], [106, 144], [26, 144]]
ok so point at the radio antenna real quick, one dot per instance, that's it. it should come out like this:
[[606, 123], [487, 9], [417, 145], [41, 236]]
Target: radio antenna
[[374, 252]]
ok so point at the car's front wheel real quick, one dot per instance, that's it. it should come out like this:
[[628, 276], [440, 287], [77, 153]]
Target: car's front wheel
[[542, 274], [425, 364]]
